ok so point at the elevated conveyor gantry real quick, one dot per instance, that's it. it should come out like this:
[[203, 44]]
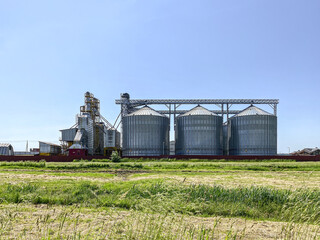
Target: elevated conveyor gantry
[[171, 105]]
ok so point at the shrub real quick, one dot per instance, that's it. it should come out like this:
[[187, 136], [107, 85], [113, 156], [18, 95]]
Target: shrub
[[115, 157]]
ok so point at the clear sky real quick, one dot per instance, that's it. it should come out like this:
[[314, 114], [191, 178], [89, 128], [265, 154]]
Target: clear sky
[[51, 52]]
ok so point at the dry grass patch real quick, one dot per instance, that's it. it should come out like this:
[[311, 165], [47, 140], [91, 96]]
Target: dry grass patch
[[232, 179], [12, 177], [55, 222]]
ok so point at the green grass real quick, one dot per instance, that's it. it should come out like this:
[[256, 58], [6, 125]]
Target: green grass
[[165, 187], [159, 196], [168, 166], [193, 160]]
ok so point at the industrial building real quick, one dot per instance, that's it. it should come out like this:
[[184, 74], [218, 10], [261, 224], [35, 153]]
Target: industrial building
[[77, 150], [6, 149], [49, 149], [198, 131], [92, 134], [307, 152]]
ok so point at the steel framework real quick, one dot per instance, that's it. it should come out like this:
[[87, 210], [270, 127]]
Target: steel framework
[[129, 105]]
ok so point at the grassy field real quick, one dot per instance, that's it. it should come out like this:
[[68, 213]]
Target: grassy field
[[143, 199]]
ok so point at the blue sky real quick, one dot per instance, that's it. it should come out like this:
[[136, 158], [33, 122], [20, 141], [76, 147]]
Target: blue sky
[[51, 52]]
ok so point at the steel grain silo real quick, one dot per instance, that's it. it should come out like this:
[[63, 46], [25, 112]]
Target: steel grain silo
[[199, 132], [145, 133], [253, 132]]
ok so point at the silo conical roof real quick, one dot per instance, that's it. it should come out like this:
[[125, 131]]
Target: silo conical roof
[[146, 111], [198, 110], [252, 111]]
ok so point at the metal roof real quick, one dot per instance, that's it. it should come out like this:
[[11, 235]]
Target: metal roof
[[252, 110], [198, 110], [78, 136], [68, 129], [309, 150], [146, 111], [5, 144], [51, 144], [77, 146]]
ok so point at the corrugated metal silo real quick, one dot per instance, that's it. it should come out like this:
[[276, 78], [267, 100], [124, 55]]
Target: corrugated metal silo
[[99, 131], [253, 132], [112, 138], [145, 133], [86, 123], [199, 132]]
